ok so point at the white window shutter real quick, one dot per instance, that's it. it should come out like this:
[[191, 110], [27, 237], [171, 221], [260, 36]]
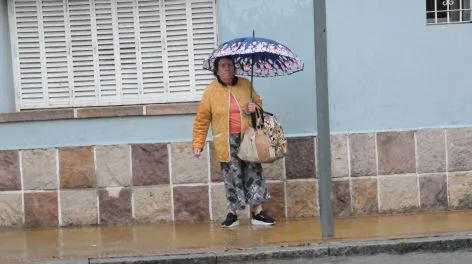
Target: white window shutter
[[128, 35], [84, 55], [55, 53], [29, 71], [108, 55], [151, 63], [204, 40], [178, 50], [74, 53]]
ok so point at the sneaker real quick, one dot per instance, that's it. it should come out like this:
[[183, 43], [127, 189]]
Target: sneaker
[[262, 219], [230, 221]]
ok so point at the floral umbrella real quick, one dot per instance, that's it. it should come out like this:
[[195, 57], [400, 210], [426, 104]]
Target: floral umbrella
[[258, 57]]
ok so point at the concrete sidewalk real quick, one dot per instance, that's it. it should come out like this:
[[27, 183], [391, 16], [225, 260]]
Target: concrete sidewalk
[[209, 243]]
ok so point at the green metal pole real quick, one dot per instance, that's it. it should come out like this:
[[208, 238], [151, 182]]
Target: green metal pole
[[322, 118]]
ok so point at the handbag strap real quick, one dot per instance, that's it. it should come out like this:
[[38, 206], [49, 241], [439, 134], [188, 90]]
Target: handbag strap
[[258, 115], [257, 118]]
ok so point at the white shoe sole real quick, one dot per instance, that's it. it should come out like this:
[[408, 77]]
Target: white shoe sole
[[257, 222], [236, 223]]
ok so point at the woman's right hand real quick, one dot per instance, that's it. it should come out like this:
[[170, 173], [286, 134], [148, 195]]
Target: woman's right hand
[[197, 152]]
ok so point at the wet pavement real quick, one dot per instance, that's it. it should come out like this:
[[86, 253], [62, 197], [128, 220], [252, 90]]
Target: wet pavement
[[94, 242]]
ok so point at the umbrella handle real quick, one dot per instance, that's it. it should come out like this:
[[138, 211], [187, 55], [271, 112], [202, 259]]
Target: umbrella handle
[[252, 69]]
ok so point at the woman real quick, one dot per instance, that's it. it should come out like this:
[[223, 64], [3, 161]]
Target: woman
[[226, 106]]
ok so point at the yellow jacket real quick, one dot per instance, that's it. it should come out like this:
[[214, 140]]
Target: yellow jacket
[[214, 109]]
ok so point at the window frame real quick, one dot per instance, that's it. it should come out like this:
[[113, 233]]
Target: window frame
[[195, 92], [443, 16]]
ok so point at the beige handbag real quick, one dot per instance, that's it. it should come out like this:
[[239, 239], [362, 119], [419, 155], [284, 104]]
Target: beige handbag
[[255, 145]]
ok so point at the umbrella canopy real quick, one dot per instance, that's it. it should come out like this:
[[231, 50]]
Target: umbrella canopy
[[269, 58]]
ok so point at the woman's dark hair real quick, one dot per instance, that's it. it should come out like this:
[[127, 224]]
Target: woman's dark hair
[[217, 60], [215, 69]]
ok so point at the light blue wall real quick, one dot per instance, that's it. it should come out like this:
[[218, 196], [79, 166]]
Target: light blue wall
[[280, 95], [290, 22], [6, 81], [388, 70], [95, 132]]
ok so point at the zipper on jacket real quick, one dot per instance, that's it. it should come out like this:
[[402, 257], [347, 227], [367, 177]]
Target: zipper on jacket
[[229, 131], [240, 115]]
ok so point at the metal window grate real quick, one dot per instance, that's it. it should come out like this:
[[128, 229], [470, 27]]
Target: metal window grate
[[448, 11]]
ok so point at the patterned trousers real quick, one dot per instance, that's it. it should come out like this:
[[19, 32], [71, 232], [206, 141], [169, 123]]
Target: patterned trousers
[[243, 180]]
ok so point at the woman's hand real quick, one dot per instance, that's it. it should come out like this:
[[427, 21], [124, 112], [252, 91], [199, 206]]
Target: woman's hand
[[251, 107], [197, 152]]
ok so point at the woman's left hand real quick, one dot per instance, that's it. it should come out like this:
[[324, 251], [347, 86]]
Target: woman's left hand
[[251, 107]]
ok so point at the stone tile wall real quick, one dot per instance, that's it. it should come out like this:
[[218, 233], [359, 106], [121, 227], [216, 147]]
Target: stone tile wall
[[373, 173]]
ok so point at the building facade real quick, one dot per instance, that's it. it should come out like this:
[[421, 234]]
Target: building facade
[[97, 101]]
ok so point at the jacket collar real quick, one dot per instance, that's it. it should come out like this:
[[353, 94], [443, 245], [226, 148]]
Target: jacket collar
[[233, 82]]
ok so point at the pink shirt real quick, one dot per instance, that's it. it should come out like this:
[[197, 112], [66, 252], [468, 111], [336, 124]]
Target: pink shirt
[[234, 117]]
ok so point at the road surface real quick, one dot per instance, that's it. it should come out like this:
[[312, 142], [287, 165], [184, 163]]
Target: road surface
[[460, 257]]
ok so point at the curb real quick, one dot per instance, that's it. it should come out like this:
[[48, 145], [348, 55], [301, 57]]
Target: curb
[[394, 246]]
